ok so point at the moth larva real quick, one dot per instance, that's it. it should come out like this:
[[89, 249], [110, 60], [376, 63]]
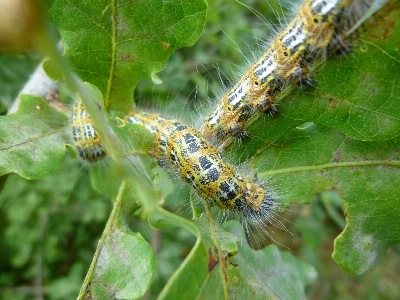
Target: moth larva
[[319, 27], [85, 136], [200, 165]]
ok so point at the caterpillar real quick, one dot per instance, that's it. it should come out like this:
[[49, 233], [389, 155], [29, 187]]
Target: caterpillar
[[319, 27], [200, 165], [85, 136]]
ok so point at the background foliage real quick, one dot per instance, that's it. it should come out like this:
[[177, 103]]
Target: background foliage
[[49, 231]]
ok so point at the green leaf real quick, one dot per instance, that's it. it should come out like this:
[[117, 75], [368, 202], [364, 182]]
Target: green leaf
[[204, 276], [372, 208], [32, 139], [123, 266], [278, 272], [188, 280], [200, 276], [314, 158], [114, 44]]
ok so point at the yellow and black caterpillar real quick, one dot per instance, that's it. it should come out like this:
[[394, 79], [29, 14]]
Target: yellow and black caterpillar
[[200, 165], [197, 162], [85, 136], [319, 27]]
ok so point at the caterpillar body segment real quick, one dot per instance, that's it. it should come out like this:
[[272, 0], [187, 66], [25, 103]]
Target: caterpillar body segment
[[85, 136], [200, 165], [289, 60]]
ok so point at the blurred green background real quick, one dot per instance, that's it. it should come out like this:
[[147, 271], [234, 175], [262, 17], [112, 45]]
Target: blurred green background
[[49, 228]]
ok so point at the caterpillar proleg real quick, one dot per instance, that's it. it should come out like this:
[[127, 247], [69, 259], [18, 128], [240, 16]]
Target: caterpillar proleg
[[319, 27], [85, 136], [200, 165]]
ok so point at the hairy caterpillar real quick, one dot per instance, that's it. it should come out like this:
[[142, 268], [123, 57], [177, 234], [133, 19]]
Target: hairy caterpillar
[[200, 165], [86, 139], [319, 27]]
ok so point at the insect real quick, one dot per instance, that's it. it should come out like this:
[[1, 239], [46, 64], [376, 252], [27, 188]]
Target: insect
[[85, 136], [319, 27], [200, 165]]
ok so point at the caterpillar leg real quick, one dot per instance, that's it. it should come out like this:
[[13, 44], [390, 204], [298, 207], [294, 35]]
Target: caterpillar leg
[[242, 136], [341, 46]]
